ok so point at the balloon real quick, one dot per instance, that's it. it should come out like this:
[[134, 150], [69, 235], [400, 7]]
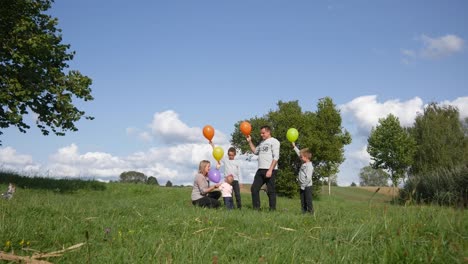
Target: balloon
[[292, 134], [214, 175], [245, 128], [208, 132], [218, 153]]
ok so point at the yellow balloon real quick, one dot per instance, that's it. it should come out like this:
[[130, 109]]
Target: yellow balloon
[[218, 153]]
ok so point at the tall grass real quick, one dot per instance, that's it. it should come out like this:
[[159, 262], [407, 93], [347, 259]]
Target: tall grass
[[129, 223], [443, 187]]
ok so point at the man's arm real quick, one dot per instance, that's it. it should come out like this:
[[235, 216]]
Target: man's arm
[[252, 146]]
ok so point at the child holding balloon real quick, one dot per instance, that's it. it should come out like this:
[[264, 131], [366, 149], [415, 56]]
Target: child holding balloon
[[232, 167], [305, 178]]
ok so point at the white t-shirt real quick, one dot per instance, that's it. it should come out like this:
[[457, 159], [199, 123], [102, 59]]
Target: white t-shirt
[[231, 167], [267, 151]]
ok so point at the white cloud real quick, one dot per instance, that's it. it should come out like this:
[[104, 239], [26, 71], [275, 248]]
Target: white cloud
[[433, 48], [365, 111], [361, 156], [8, 155], [167, 127], [441, 47], [11, 160]]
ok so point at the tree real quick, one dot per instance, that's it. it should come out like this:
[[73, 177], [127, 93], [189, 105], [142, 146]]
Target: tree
[[441, 140], [152, 181], [33, 70], [373, 177], [391, 148], [133, 177], [168, 184], [332, 139], [353, 184], [321, 132]]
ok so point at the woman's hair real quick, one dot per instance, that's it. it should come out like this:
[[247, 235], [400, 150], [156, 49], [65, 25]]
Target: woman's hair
[[202, 165], [306, 153]]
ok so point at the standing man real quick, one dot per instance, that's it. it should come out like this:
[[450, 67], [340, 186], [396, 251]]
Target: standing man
[[268, 156]]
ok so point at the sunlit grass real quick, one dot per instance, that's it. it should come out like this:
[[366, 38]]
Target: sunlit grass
[[129, 223]]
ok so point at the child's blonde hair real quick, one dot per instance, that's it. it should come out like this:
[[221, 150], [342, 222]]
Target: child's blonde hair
[[306, 153]]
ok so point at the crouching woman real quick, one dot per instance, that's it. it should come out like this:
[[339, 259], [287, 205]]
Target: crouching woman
[[203, 194]]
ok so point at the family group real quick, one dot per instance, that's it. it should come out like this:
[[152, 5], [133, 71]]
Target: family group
[[268, 150]]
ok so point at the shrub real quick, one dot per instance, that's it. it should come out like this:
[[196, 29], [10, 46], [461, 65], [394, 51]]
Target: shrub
[[443, 187]]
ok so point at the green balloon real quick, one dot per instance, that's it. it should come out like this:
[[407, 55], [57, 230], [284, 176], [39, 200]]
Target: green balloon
[[292, 134]]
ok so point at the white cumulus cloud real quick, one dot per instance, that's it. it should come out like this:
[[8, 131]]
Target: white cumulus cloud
[[10, 159], [365, 111]]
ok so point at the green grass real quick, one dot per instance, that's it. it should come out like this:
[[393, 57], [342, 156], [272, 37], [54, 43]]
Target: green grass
[[148, 224]]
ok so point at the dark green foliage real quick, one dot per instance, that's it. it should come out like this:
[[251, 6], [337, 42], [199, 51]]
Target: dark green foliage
[[373, 177], [287, 184], [441, 140], [57, 185], [168, 184], [152, 181], [443, 187], [321, 132], [34, 75], [439, 173], [132, 177], [353, 184]]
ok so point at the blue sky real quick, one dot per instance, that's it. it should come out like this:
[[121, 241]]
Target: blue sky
[[162, 70]]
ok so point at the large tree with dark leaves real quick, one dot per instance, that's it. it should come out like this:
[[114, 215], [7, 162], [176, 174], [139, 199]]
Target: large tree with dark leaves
[[34, 74]]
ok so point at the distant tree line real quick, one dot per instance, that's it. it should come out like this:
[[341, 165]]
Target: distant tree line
[[139, 177]]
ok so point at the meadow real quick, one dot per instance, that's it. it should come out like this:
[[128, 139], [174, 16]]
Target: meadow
[[136, 223]]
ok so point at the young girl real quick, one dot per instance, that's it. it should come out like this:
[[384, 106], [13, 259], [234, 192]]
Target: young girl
[[226, 191], [305, 179]]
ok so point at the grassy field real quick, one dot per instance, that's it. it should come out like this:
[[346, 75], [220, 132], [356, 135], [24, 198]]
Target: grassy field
[[129, 223]]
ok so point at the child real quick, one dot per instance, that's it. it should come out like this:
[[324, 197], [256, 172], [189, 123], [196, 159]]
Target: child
[[305, 179], [11, 190], [226, 191], [232, 167]]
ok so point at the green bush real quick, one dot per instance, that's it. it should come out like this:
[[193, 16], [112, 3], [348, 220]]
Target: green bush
[[443, 187]]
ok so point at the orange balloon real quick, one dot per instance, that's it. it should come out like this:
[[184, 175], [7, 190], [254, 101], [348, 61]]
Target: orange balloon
[[245, 128], [208, 132]]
